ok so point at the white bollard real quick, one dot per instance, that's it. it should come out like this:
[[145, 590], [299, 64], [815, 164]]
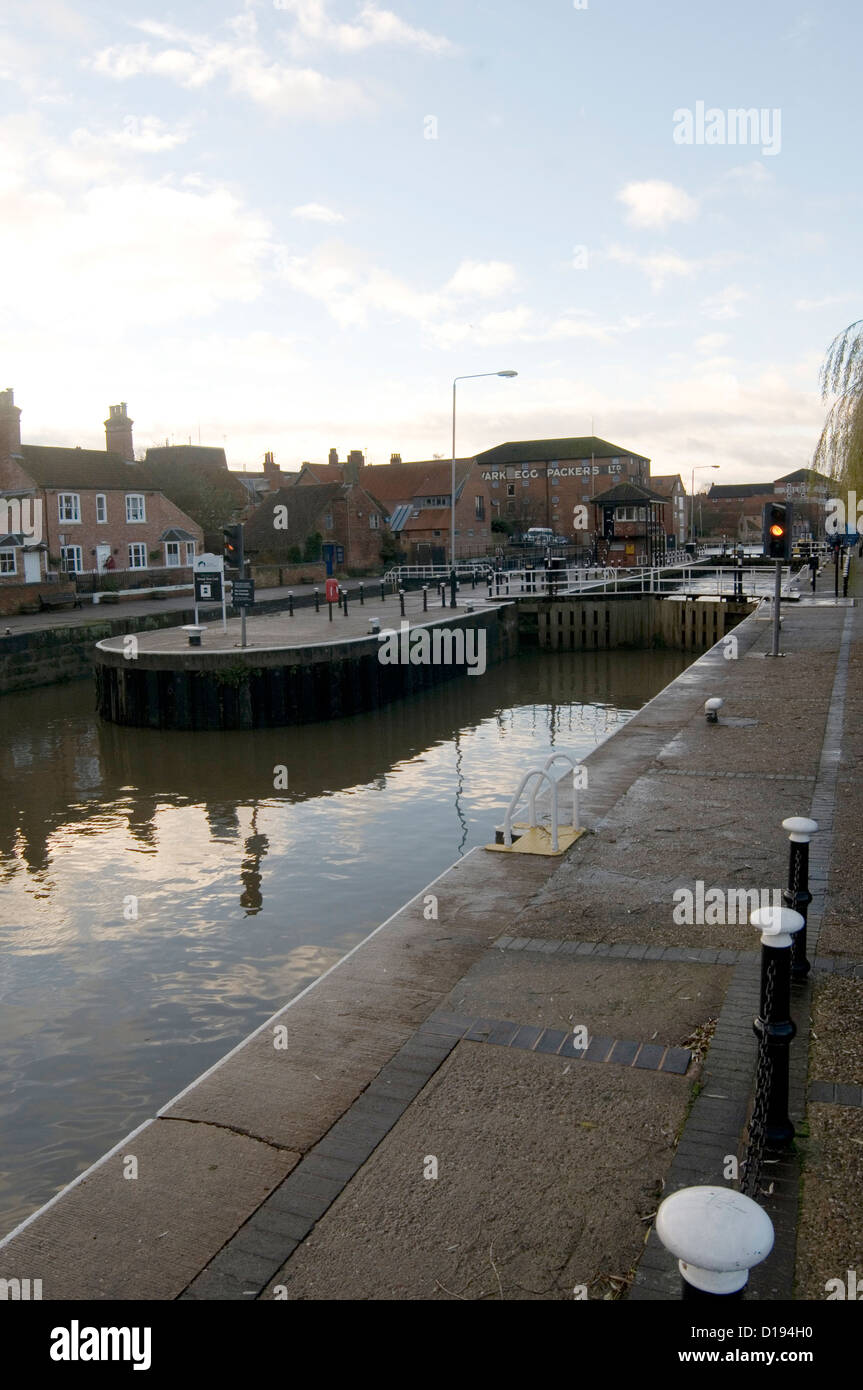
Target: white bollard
[[718, 1235]]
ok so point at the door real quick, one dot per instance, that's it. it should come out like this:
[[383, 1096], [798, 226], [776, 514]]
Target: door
[[102, 554], [32, 567]]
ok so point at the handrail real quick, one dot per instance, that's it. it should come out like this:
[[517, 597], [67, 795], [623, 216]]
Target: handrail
[[542, 773]]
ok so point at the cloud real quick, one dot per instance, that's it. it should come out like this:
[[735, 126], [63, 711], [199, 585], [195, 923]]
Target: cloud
[[485, 278], [659, 266], [317, 212], [724, 304], [712, 342], [314, 28], [143, 134], [654, 203], [825, 302], [194, 61]]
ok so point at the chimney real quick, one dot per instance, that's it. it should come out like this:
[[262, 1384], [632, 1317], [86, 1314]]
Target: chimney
[[395, 458], [334, 456], [118, 433], [269, 464], [10, 441], [354, 464]]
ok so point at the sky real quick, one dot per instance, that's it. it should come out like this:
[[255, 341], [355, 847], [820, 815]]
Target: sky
[[288, 226]]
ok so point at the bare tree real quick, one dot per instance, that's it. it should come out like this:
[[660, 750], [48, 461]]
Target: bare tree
[[839, 452]]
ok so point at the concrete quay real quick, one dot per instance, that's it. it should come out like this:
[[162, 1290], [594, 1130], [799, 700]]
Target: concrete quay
[[419, 1124]]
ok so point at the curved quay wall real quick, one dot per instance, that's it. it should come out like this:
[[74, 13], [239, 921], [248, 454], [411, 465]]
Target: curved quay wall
[[272, 687]]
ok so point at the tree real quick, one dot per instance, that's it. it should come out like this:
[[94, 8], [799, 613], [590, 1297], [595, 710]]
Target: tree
[[312, 551], [839, 452]]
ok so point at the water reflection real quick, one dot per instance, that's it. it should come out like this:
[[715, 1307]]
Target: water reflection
[[160, 896]]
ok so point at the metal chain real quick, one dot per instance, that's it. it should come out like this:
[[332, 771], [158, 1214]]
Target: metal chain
[[754, 1156]]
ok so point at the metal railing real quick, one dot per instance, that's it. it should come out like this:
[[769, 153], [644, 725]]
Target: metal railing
[[399, 573]]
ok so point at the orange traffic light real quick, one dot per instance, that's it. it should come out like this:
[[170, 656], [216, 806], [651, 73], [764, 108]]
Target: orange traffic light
[[777, 530]]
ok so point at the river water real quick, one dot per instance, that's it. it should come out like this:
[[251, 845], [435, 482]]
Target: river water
[[159, 897]]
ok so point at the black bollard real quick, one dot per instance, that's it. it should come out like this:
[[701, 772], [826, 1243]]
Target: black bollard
[[290, 603], [402, 601], [442, 591], [797, 895], [345, 601], [452, 588], [473, 579], [773, 1025], [425, 598], [330, 606], [317, 601], [383, 595], [490, 582], [362, 595]]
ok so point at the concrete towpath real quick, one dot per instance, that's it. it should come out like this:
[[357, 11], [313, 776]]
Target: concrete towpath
[[424, 1123]]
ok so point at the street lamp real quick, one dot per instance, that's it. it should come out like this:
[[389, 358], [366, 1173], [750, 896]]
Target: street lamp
[[692, 496], [470, 377]]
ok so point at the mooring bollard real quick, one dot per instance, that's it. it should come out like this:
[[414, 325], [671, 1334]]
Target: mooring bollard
[[290, 603], [773, 1025], [797, 895], [362, 595], [317, 601], [425, 598], [402, 601], [717, 1235]]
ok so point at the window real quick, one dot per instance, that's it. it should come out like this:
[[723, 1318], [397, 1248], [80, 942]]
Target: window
[[479, 508], [328, 521], [172, 554], [626, 514], [7, 562], [436, 501], [374, 521], [101, 507], [510, 489], [554, 501], [525, 482], [190, 552], [137, 555], [70, 559], [69, 506], [136, 509]]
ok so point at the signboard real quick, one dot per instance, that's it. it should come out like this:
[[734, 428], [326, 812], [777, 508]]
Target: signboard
[[243, 593], [208, 587]]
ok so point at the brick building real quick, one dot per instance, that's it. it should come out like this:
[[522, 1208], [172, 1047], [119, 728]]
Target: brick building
[[674, 513], [539, 482], [418, 499], [99, 510], [629, 526], [343, 515]]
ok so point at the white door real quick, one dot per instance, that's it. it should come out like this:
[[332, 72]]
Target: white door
[[32, 573], [102, 553]]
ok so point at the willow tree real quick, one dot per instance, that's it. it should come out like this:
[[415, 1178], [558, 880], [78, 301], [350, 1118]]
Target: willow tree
[[839, 452]]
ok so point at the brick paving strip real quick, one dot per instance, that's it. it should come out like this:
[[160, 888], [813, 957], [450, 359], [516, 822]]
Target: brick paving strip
[[251, 1259]]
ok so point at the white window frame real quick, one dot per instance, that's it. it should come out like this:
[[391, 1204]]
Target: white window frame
[[101, 505], [77, 559], [6, 554], [374, 521], [137, 497], [172, 564], [190, 551], [69, 502], [137, 547]]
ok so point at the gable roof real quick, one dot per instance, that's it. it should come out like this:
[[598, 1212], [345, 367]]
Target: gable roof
[[665, 483], [304, 507], [735, 490], [627, 494], [323, 472], [392, 483], [202, 457], [81, 468], [549, 450]]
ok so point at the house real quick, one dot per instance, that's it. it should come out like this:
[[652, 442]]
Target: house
[[261, 482], [417, 497], [97, 510], [295, 522], [630, 528], [674, 514], [539, 482]]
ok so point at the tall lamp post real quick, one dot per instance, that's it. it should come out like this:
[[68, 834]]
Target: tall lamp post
[[470, 377], [692, 496]]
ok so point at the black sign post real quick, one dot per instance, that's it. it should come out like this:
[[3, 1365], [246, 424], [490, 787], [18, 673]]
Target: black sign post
[[243, 597]]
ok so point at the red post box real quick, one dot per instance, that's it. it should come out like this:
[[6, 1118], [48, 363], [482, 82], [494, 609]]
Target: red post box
[[332, 591]]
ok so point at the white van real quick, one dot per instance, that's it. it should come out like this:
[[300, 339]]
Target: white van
[[539, 535]]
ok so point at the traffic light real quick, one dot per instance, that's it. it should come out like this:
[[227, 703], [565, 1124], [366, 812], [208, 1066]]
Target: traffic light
[[233, 539], [777, 530]]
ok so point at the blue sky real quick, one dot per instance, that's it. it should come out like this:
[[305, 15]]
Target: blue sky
[[288, 226]]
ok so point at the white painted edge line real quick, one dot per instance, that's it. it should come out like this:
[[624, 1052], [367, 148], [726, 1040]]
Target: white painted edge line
[[52, 1201]]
